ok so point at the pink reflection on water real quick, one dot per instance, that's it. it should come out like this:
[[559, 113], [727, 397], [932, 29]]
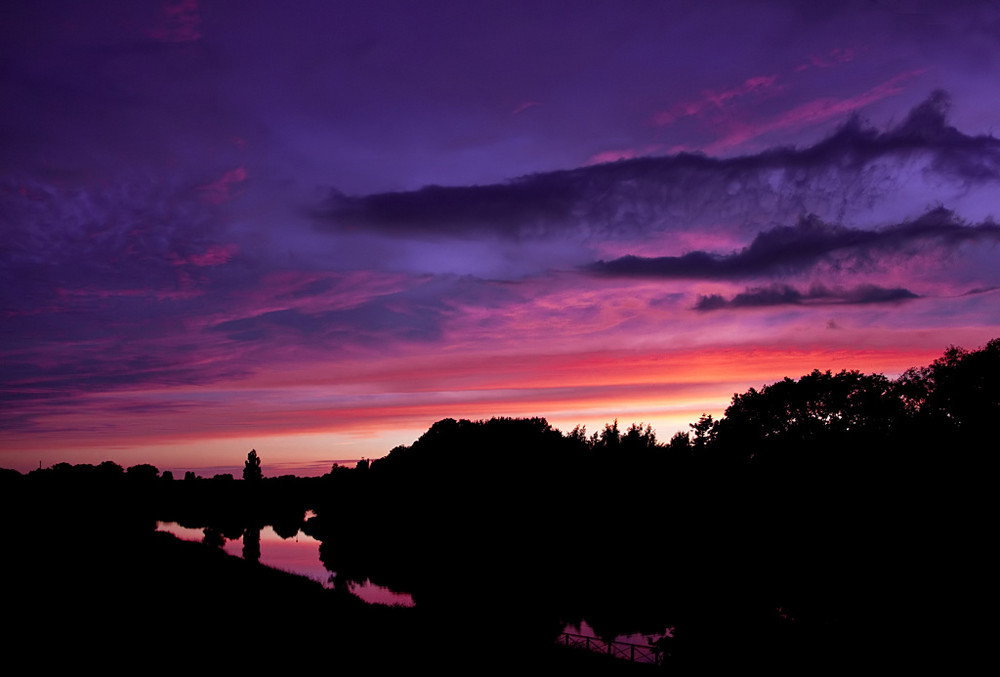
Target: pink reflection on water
[[298, 555], [636, 638], [377, 594], [183, 533], [636, 647]]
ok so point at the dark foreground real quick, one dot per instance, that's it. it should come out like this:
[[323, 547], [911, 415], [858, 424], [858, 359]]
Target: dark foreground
[[153, 600], [827, 524]]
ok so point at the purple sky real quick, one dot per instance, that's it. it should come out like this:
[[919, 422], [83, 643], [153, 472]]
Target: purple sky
[[315, 228]]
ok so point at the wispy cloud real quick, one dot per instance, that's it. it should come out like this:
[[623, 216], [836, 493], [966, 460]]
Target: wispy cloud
[[179, 21], [810, 113], [225, 189], [415, 314], [834, 57], [756, 86], [524, 105]]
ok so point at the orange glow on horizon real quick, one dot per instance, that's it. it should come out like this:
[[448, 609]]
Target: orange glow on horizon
[[318, 416]]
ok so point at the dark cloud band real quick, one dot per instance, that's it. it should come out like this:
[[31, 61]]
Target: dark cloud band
[[631, 197], [784, 295], [790, 249]]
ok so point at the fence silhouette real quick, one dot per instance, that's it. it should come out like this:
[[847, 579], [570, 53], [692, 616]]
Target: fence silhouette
[[636, 653]]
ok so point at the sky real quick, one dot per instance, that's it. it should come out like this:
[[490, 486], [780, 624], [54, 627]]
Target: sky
[[316, 228]]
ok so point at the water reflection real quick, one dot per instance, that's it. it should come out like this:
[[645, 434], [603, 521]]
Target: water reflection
[[298, 555], [377, 594], [636, 647], [636, 638]]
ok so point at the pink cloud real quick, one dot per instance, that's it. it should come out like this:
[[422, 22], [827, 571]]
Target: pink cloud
[[224, 189], [832, 58], [811, 112], [90, 293], [750, 86], [316, 292], [214, 256], [710, 100], [525, 105], [612, 156], [622, 154], [179, 22]]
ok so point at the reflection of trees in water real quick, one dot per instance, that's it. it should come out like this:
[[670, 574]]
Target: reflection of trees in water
[[286, 522], [213, 538], [251, 544]]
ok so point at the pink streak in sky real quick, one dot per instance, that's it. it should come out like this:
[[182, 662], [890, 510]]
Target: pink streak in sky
[[525, 105], [215, 255], [832, 58], [622, 154], [179, 22], [613, 156], [757, 85], [225, 189], [810, 113], [413, 392]]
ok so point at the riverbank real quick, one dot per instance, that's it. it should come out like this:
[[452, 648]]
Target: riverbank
[[121, 600]]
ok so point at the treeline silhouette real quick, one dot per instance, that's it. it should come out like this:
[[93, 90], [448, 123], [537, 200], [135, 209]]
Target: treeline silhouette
[[829, 521]]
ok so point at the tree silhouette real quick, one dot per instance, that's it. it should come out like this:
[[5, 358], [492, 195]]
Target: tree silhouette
[[251, 470], [637, 438], [702, 431], [957, 393], [609, 439], [144, 472], [818, 413]]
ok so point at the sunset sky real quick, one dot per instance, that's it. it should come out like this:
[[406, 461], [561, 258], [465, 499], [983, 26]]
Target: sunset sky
[[316, 228]]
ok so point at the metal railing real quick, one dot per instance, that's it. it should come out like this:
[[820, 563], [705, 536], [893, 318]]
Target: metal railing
[[636, 653]]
